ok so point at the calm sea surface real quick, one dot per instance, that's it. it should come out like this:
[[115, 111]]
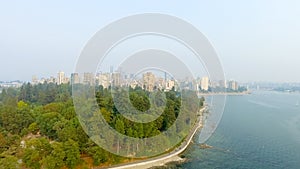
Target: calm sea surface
[[261, 130]]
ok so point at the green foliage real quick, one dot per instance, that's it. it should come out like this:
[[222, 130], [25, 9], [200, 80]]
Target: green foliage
[[3, 143], [8, 142], [99, 155], [43, 115], [14, 118], [36, 150], [40, 153], [139, 100], [120, 126], [72, 152], [44, 93], [33, 128], [202, 99], [47, 122], [107, 115], [56, 158], [9, 162]]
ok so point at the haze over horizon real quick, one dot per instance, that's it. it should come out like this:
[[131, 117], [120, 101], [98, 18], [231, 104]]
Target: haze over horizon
[[255, 41]]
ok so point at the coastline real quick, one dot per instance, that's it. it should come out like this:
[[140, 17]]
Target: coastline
[[164, 159], [225, 93]]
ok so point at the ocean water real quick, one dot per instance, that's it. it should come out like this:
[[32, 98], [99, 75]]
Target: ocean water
[[257, 131]]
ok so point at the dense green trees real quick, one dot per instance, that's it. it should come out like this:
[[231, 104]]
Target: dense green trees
[[15, 116], [39, 126], [56, 157], [9, 162], [44, 93], [72, 153], [139, 100], [36, 149], [42, 152], [169, 104]]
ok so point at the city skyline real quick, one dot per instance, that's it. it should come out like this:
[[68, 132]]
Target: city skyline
[[147, 80], [53, 78]]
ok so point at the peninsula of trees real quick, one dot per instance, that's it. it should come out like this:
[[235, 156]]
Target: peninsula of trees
[[39, 127]]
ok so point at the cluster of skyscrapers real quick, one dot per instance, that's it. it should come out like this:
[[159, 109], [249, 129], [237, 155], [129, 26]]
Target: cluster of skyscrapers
[[205, 84], [148, 81]]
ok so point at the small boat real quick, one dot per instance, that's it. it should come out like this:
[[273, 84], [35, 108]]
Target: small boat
[[297, 104]]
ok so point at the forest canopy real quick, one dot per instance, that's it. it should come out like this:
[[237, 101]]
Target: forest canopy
[[39, 127]]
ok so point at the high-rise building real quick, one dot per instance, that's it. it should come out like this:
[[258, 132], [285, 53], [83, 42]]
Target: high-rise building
[[170, 84], [160, 83], [233, 85], [104, 80], [116, 79], [67, 80], [148, 81], [75, 78], [204, 83], [88, 78], [60, 77], [222, 84]]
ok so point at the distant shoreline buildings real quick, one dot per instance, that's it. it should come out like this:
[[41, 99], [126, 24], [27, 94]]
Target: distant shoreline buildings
[[148, 81], [14, 84], [151, 81]]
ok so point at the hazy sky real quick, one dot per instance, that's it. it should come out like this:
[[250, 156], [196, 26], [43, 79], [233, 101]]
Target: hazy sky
[[256, 40]]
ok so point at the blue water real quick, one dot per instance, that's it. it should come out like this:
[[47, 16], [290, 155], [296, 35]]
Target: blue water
[[258, 131]]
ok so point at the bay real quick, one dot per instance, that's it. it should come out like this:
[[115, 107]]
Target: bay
[[261, 130]]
